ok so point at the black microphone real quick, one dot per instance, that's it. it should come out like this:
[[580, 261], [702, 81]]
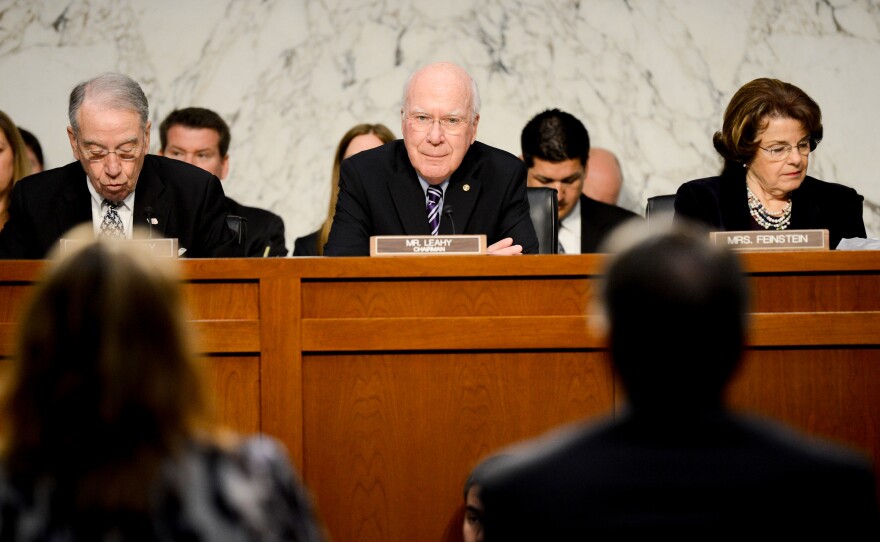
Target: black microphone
[[447, 212], [148, 214]]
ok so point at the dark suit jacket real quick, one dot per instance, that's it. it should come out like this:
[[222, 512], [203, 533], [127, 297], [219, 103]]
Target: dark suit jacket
[[695, 476], [722, 204], [380, 194], [598, 219], [264, 229], [187, 202], [306, 246]]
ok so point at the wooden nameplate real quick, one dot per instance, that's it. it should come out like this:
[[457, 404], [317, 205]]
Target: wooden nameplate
[[422, 245], [160, 247], [772, 240]]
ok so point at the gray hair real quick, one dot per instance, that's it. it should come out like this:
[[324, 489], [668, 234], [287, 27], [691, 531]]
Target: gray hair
[[115, 90], [475, 92]]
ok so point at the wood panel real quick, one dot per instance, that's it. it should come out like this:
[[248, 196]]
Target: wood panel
[[234, 386], [393, 437], [815, 292], [445, 297], [830, 392]]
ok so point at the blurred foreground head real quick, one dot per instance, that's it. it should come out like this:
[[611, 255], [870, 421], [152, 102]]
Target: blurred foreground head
[[676, 307], [104, 373]]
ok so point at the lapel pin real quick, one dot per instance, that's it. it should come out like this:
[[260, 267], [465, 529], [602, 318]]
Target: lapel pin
[[466, 187]]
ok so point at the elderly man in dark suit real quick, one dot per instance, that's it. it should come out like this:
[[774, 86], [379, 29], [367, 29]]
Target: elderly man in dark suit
[[115, 185], [678, 465], [439, 175], [555, 147]]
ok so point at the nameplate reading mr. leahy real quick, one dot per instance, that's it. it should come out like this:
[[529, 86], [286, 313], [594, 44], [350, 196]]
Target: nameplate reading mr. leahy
[[763, 241], [420, 245]]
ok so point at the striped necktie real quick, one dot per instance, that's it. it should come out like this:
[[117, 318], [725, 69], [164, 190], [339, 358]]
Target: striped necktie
[[434, 197]]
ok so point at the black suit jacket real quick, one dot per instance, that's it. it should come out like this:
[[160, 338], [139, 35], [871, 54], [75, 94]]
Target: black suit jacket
[[308, 245], [187, 202], [706, 476], [264, 229], [722, 204], [598, 219], [380, 194]]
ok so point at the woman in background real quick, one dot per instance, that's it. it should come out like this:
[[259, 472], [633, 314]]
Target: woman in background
[[104, 428], [770, 128], [360, 138], [14, 163]]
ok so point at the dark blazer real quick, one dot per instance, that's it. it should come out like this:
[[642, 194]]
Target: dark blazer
[[694, 476], [722, 204], [188, 203], [598, 219], [306, 246], [380, 194], [264, 229]]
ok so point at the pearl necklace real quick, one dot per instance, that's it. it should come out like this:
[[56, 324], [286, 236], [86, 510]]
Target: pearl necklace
[[765, 218]]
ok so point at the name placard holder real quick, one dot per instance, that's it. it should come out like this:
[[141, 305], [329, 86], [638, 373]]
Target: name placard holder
[[772, 240], [421, 245], [161, 248]]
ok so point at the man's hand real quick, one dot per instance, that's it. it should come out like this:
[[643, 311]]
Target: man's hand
[[504, 247]]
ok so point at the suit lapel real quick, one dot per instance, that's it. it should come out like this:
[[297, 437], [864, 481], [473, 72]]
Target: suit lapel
[[461, 196], [148, 193], [734, 204], [78, 202], [804, 210], [408, 197]]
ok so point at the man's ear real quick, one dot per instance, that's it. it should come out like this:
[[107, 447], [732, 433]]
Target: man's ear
[[73, 146]]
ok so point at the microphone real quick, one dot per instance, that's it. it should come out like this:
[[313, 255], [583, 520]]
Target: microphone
[[148, 215], [447, 212]]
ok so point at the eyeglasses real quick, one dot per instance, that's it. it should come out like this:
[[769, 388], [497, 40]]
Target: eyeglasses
[[126, 153], [777, 153], [450, 125]]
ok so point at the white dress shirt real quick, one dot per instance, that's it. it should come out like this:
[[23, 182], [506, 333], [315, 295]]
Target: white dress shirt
[[570, 231]]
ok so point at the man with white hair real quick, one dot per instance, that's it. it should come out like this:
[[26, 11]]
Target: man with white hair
[[115, 184], [438, 180]]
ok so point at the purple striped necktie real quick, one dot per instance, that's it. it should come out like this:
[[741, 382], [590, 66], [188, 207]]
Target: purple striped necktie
[[434, 197]]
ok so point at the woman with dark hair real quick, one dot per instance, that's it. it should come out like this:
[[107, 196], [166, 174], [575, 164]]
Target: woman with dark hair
[[360, 138], [104, 426], [770, 128], [14, 164]]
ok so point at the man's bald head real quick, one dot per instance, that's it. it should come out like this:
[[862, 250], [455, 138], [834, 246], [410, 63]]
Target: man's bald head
[[604, 177]]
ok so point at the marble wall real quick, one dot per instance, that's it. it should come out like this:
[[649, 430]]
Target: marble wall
[[650, 78]]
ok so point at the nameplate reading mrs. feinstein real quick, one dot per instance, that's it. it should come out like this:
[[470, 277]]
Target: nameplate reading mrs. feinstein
[[420, 245], [763, 241]]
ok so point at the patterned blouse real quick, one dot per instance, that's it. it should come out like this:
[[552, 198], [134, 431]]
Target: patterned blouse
[[207, 493]]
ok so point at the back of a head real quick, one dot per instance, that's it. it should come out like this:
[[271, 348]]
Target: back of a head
[[676, 306], [104, 373], [554, 136]]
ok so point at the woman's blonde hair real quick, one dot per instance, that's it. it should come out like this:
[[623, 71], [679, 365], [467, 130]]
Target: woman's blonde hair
[[21, 166], [379, 130]]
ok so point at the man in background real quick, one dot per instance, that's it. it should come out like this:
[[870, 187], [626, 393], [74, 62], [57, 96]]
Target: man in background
[[555, 148], [677, 464], [439, 175], [201, 137], [604, 176]]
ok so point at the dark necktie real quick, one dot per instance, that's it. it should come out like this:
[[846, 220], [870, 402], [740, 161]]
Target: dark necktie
[[434, 197], [111, 226]]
